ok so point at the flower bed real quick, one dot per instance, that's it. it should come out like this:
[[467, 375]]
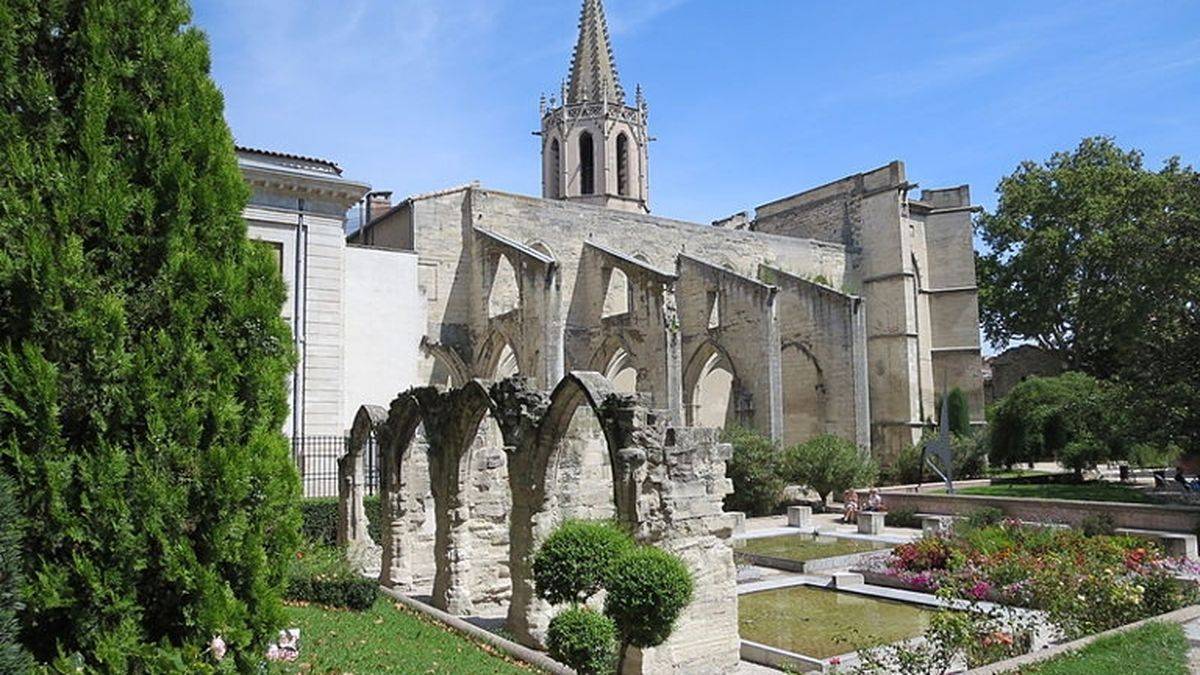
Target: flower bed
[[1084, 584]]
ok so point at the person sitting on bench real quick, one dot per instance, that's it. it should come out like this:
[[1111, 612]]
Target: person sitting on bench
[[850, 506]]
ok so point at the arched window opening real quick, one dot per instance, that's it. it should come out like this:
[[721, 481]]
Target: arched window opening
[[617, 297], [587, 168], [713, 395], [580, 477], [505, 295], [555, 169], [803, 396], [623, 165]]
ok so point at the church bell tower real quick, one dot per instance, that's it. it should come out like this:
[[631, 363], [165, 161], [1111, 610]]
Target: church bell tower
[[593, 144]]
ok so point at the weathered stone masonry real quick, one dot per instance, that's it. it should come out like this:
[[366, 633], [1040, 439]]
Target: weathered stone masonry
[[667, 488]]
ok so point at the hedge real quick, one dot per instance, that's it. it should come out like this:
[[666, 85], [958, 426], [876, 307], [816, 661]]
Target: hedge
[[320, 518], [321, 574]]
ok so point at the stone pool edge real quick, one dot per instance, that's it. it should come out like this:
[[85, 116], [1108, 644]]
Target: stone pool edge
[[776, 657]]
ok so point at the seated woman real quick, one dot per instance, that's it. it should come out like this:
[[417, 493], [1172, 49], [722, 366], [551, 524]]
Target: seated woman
[[874, 500], [849, 506]]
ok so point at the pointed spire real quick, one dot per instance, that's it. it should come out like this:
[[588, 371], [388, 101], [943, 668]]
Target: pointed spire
[[593, 68]]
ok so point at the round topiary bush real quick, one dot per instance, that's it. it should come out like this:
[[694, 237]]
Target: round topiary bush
[[584, 639], [571, 565], [647, 589]]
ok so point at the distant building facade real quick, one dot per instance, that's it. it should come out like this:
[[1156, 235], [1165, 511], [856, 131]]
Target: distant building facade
[[355, 312]]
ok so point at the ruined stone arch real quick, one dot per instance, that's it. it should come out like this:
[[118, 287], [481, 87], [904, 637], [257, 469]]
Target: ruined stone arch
[[447, 368], [369, 424], [667, 486], [406, 503], [498, 358], [539, 500], [710, 382], [615, 360], [467, 461]]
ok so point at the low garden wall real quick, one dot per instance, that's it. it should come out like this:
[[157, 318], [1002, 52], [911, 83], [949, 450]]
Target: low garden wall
[[1163, 517]]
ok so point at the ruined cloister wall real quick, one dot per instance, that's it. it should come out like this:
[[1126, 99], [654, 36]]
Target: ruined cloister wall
[[443, 226], [823, 359], [746, 333], [665, 485]]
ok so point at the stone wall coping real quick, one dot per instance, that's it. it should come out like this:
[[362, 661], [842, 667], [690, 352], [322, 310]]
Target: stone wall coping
[[516, 651], [1179, 616]]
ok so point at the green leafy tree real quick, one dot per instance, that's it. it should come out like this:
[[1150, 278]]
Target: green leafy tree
[[756, 471], [142, 356], [1097, 259], [1072, 418], [828, 464]]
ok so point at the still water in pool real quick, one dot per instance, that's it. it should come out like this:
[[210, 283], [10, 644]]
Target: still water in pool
[[809, 621]]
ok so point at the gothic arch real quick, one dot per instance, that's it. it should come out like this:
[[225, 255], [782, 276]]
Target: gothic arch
[[623, 164], [554, 168], [587, 163], [369, 423], [448, 367], [614, 359], [498, 358], [805, 405], [463, 537], [404, 484], [707, 359]]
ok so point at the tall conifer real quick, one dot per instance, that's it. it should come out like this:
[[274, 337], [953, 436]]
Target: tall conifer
[[142, 355]]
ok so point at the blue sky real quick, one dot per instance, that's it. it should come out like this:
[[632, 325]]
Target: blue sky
[[750, 100]]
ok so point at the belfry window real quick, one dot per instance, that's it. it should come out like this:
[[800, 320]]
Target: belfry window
[[623, 165], [587, 167], [555, 169]]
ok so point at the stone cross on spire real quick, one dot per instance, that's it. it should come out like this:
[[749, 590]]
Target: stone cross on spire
[[593, 68]]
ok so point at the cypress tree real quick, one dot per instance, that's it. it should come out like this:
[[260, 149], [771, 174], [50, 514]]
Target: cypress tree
[[13, 657], [142, 355]]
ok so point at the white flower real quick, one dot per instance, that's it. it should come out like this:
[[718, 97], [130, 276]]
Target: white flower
[[217, 647]]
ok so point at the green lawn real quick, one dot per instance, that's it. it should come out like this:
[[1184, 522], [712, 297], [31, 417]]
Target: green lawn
[[1093, 491], [1015, 473], [387, 638], [1154, 649]]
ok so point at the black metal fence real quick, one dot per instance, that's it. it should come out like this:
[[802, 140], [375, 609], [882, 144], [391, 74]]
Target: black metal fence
[[316, 458]]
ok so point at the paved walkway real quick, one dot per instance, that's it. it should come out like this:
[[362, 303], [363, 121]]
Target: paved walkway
[[1192, 630]]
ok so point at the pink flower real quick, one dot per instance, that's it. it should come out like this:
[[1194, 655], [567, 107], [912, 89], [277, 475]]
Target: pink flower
[[980, 590]]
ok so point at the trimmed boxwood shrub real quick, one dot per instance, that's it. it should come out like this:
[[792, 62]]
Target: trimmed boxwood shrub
[[321, 574], [647, 589], [584, 639], [572, 563]]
